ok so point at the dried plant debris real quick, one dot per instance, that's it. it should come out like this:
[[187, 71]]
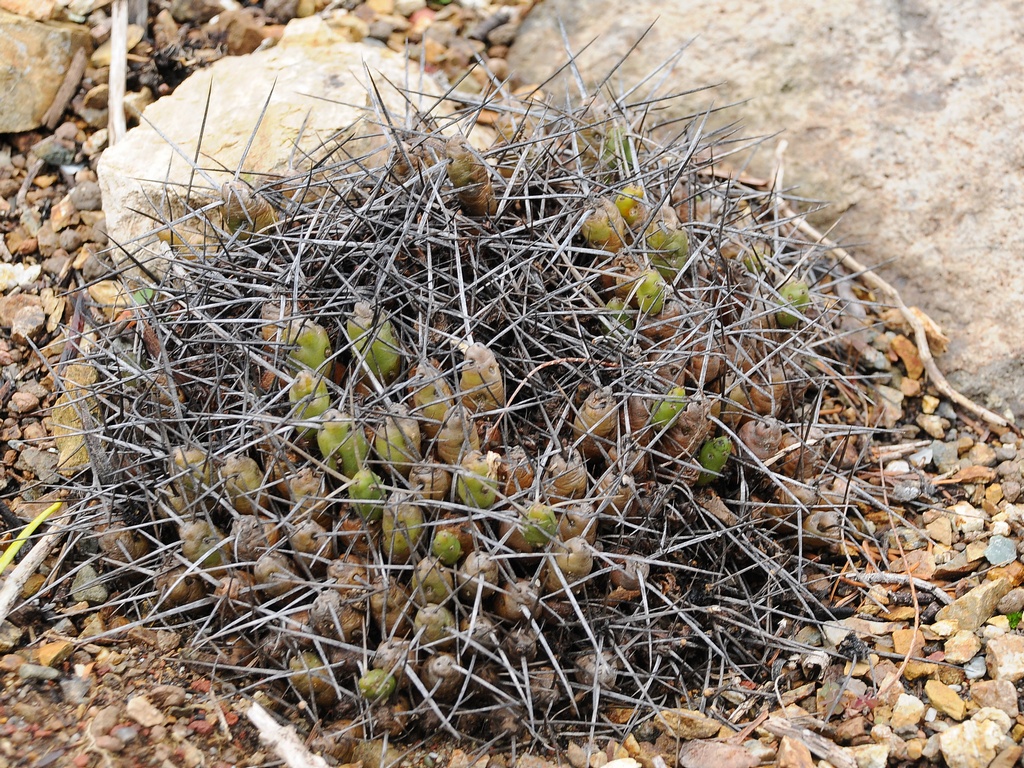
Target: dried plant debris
[[534, 440]]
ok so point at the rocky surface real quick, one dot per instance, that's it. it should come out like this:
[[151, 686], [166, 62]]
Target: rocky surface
[[904, 115], [33, 60]]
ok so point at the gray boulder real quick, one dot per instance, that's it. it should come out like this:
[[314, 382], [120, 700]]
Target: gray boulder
[[905, 115]]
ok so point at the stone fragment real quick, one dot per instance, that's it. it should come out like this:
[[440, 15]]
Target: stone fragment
[[10, 636], [934, 425], [66, 418], [54, 653], [945, 699], [1004, 657], [700, 754], [1000, 550], [37, 672], [906, 714], [13, 303], [975, 743], [962, 647], [966, 518], [999, 694], [40, 10], [982, 455], [309, 99], [86, 196], [142, 711], [1012, 601], [793, 753], [33, 60], [908, 642], [686, 724], [977, 606], [871, 755], [28, 325], [88, 588]]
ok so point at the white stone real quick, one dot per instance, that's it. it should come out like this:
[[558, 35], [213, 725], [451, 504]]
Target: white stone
[[962, 647], [317, 84], [906, 714], [409, 7], [974, 744], [1005, 657], [967, 518], [870, 755]]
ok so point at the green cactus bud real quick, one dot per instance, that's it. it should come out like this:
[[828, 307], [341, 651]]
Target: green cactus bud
[[630, 203], [539, 525], [310, 345], [375, 340], [476, 484], [621, 312], [397, 441], [712, 457], [366, 490], [342, 442], [431, 582], [376, 685], [649, 294], [308, 392], [669, 408], [605, 228], [795, 295], [402, 526], [446, 547]]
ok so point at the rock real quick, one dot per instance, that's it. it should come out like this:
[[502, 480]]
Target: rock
[[1012, 601], [1004, 657], [315, 76], [945, 456], [142, 711], [87, 587], [200, 11], [967, 518], [29, 324], [243, 32], [870, 755], [1000, 550], [977, 606], [10, 636], [699, 754], [686, 724], [40, 10], [409, 7], [945, 699], [55, 653], [935, 426], [999, 694], [982, 455], [33, 60], [962, 647], [86, 196], [975, 743], [858, 88], [906, 714], [793, 753], [40, 463], [37, 672]]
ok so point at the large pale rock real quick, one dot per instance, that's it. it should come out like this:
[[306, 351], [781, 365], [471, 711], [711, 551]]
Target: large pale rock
[[317, 83], [34, 58], [973, 744], [905, 115]]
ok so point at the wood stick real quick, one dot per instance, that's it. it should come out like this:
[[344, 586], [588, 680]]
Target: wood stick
[[116, 126], [283, 740], [67, 89], [29, 564]]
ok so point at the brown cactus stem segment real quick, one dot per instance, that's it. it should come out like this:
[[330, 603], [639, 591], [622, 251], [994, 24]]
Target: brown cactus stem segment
[[471, 178]]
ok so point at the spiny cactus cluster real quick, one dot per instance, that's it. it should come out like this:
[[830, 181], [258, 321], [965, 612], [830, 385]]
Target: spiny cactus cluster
[[441, 439]]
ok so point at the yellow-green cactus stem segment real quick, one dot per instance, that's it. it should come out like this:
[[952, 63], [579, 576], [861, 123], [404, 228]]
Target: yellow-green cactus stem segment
[[431, 582], [796, 297], [670, 250], [342, 441], [457, 436], [595, 423], [431, 481], [204, 545], [650, 291], [605, 228], [432, 396], [402, 526], [471, 178], [630, 203], [192, 472], [310, 346], [397, 441], [366, 490], [446, 547], [311, 678], [476, 484], [308, 393], [436, 625], [668, 409], [712, 457], [539, 525], [621, 313], [376, 685], [243, 484], [481, 384], [374, 339]]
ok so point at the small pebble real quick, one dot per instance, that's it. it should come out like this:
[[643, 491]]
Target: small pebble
[[37, 672], [974, 669], [1000, 550], [86, 196], [944, 456], [86, 587], [10, 636]]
